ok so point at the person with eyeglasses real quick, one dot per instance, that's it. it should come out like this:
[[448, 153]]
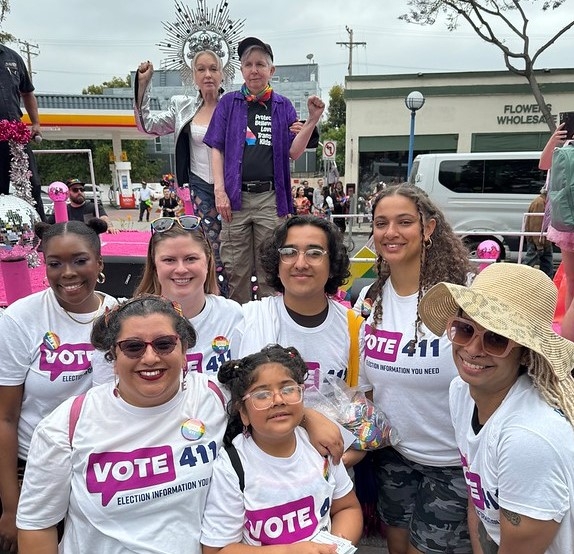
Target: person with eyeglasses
[[180, 265], [79, 209], [408, 369], [128, 464], [46, 349], [305, 261], [287, 491], [512, 406]]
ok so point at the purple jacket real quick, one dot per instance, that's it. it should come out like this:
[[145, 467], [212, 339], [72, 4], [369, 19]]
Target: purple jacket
[[226, 133]]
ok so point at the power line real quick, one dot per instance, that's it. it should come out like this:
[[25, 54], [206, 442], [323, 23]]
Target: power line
[[350, 45], [29, 50]]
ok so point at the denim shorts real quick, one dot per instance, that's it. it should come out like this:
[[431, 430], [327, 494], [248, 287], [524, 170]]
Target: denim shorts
[[202, 191]]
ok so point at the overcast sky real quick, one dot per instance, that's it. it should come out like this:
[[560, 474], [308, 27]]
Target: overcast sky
[[82, 43]]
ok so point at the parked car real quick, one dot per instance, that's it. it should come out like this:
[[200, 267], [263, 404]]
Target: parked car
[[47, 201], [482, 193]]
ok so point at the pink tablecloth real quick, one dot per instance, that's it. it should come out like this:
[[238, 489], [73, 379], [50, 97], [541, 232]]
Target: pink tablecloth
[[126, 243]]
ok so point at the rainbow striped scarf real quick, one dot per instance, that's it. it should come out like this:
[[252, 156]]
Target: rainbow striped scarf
[[262, 97]]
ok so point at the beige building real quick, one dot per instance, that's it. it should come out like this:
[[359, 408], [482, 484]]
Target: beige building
[[480, 111]]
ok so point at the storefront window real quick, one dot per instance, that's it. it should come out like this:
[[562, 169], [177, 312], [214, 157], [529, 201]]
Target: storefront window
[[376, 168]]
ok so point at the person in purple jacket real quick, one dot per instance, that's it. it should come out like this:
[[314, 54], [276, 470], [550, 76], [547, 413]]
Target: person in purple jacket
[[252, 140]]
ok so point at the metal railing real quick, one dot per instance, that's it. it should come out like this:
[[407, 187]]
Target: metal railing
[[90, 163], [522, 234]]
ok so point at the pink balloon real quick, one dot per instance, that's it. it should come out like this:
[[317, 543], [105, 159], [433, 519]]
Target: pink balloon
[[488, 250], [58, 191]]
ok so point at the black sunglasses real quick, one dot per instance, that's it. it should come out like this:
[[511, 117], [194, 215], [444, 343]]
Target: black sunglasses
[[135, 348]]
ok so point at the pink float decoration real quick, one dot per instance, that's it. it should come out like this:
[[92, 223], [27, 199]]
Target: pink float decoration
[[185, 195], [17, 278], [58, 192], [487, 250]]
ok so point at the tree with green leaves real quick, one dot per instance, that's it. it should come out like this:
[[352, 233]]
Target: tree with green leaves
[[337, 111], [334, 127], [4, 10], [63, 166], [492, 20], [114, 82]]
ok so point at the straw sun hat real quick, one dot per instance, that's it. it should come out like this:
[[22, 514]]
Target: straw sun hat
[[513, 300]]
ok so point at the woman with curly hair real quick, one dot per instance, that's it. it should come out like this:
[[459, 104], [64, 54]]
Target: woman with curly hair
[[421, 490], [306, 261]]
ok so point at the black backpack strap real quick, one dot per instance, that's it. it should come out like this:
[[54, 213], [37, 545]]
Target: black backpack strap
[[236, 463]]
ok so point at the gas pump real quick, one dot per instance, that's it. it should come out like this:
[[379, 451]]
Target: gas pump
[[123, 184]]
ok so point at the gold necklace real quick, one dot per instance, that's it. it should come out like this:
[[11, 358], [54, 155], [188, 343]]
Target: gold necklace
[[101, 298]]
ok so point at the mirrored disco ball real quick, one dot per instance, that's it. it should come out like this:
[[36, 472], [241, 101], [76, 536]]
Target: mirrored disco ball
[[17, 219]]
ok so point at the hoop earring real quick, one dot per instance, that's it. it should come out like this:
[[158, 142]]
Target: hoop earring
[[428, 244], [101, 278], [380, 263], [117, 386]]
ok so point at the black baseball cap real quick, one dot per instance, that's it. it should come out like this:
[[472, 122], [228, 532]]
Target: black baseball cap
[[252, 41], [74, 182]]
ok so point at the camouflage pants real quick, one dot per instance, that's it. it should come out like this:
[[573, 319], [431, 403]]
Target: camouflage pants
[[431, 502]]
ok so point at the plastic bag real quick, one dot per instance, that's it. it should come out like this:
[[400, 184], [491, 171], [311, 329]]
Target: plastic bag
[[350, 407]]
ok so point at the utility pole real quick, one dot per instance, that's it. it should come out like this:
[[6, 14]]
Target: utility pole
[[29, 50], [350, 45]]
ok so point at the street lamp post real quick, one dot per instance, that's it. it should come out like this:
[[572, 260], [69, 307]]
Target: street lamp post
[[414, 102]]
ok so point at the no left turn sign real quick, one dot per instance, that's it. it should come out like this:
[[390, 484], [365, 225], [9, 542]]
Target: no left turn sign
[[329, 149]]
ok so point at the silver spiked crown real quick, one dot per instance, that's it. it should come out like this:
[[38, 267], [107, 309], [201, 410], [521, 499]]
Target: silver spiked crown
[[200, 29]]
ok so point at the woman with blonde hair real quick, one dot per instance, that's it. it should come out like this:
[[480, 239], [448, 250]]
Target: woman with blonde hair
[[188, 119], [180, 265]]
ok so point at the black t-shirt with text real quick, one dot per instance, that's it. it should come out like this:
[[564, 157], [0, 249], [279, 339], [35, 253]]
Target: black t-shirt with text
[[258, 146]]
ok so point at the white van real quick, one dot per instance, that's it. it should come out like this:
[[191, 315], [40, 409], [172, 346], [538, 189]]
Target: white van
[[481, 192]]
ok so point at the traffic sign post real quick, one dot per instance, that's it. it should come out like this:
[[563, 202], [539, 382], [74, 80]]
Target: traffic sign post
[[329, 150]]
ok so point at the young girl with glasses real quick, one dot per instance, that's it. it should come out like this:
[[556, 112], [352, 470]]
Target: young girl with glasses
[[287, 491]]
